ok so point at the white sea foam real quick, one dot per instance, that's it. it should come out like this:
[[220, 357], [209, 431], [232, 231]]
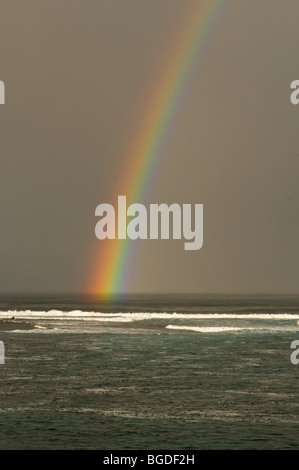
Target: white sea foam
[[206, 329], [139, 316]]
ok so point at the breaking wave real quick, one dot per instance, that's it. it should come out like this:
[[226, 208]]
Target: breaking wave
[[139, 316], [207, 329]]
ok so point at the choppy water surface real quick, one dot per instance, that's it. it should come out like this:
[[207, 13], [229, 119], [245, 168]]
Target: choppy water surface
[[163, 373]]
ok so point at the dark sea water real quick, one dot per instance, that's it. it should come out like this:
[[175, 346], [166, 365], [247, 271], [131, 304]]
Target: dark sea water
[[209, 372]]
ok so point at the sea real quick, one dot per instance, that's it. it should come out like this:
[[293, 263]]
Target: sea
[[175, 372]]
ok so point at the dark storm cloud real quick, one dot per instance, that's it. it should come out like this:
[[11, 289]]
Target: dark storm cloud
[[77, 74]]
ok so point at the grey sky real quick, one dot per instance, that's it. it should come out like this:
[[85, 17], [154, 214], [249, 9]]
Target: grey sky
[[77, 74]]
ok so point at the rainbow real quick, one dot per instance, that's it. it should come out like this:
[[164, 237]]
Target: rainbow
[[153, 137]]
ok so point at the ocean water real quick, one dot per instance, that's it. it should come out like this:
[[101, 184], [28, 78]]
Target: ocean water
[[207, 372]]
